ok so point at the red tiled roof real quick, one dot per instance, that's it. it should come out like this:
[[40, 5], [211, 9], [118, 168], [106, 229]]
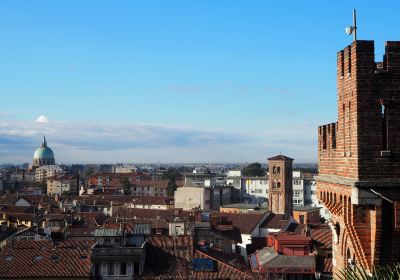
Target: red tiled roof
[[40, 259], [283, 236], [246, 222], [273, 220], [322, 236], [122, 199], [280, 157], [152, 183], [138, 213], [224, 270], [72, 232], [180, 246]]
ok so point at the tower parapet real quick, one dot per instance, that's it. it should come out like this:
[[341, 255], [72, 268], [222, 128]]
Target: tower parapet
[[359, 157]]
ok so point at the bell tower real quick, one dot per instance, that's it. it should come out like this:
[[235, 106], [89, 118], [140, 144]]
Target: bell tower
[[280, 194]]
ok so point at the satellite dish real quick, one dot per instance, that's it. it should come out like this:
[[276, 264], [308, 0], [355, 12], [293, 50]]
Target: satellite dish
[[349, 30]]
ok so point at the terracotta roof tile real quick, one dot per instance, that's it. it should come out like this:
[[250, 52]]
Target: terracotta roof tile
[[246, 222], [40, 259], [322, 236]]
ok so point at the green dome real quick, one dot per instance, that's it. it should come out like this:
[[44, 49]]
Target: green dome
[[44, 153]]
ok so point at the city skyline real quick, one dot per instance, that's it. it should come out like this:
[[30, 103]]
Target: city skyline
[[173, 82]]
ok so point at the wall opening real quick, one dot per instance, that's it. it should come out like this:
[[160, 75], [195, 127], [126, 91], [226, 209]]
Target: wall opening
[[385, 128], [387, 233]]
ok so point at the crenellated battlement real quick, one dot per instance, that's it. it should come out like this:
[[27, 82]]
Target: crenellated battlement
[[327, 137], [359, 156]]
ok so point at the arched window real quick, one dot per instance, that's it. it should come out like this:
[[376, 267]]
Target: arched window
[[279, 184], [274, 170], [278, 170]]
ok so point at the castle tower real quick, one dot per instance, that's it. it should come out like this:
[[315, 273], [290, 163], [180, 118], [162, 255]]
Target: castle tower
[[280, 196], [359, 158]]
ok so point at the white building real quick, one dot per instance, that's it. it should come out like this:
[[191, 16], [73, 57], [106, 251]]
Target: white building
[[47, 171], [59, 186], [255, 189], [125, 168], [298, 189], [323, 212]]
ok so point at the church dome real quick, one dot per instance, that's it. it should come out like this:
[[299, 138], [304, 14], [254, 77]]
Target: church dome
[[43, 155]]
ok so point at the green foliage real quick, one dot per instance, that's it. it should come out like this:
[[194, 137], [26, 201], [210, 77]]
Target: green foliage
[[378, 273], [126, 184], [254, 169], [170, 174]]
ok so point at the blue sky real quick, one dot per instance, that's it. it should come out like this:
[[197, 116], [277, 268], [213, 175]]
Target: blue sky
[[175, 81]]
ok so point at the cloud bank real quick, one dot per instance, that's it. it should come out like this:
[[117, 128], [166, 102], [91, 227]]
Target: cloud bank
[[93, 143]]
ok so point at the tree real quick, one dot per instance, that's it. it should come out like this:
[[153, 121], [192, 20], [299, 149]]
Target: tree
[[125, 184], [254, 169], [170, 174]]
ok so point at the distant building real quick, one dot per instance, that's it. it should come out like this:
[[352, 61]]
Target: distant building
[[62, 185], [281, 191], [189, 198], [119, 253], [43, 155], [306, 214], [125, 168], [255, 189], [150, 188], [47, 171]]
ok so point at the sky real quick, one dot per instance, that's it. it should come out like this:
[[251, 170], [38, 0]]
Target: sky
[[175, 81]]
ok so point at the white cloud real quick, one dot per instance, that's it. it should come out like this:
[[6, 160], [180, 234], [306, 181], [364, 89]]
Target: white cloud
[[42, 119], [83, 142]]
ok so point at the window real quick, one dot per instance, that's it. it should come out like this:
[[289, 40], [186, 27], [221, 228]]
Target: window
[[333, 137], [110, 269], [97, 268], [278, 170], [384, 120], [122, 269], [136, 268]]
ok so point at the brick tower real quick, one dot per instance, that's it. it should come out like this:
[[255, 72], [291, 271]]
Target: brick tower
[[359, 158], [280, 196]]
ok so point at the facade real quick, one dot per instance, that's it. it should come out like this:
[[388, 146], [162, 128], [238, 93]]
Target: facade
[[306, 214], [280, 180], [189, 198], [298, 189], [61, 185], [119, 253], [359, 162], [43, 155], [150, 188], [255, 189], [47, 171]]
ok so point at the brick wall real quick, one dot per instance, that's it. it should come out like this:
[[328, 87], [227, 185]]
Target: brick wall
[[361, 152], [352, 146]]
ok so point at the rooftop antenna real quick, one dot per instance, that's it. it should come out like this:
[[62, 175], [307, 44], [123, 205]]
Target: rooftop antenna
[[353, 29]]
